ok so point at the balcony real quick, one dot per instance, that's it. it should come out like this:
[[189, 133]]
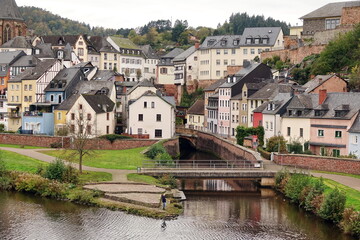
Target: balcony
[[14, 115], [33, 114], [179, 81], [208, 107], [3, 97]]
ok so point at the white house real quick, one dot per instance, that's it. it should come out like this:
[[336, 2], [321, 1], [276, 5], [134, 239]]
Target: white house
[[94, 114], [153, 115]]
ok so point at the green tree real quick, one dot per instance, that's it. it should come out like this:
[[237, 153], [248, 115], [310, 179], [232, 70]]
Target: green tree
[[179, 27], [276, 144], [354, 83]]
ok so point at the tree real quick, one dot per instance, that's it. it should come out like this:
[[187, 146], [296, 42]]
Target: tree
[[179, 27], [276, 144], [138, 74], [354, 83], [152, 36]]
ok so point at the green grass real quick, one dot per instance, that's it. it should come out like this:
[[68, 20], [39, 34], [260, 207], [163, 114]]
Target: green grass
[[142, 178], [342, 174], [20, 146], [17, 162], [352, 195], [128, 159]]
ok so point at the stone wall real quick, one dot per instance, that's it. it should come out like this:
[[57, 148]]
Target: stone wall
[[33, 140], [330, 164], [295, 56], [311, 26], [120, 144], [172, 146], [350, 15]]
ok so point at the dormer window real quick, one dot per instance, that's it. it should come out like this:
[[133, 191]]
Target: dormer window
[[257, 40], [248, 41], [60, 42], [229, 80], [37, 51], [236, 42], [60, 54], [265, 41], [290, 112], [317, 113], [223, 42], [299, 113]]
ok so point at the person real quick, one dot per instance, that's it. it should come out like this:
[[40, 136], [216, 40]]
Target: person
[[163, 200]]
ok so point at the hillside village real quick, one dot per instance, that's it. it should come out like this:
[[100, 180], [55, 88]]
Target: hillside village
[[62, 85]]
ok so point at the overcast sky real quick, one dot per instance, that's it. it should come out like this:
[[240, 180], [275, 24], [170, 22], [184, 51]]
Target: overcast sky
[[136, 13]]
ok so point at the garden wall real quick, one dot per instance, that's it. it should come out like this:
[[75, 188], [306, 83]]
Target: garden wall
[[33, 140], [321, 163]]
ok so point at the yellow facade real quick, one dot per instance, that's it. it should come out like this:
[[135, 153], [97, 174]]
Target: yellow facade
[[28, 93], [14, 103], [81, 49], [60, 120], [109, 61]]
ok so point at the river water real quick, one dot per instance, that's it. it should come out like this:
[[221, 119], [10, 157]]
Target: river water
[[207, 215]]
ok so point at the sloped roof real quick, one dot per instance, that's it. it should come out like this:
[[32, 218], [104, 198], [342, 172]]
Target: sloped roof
[[124, 43], [270, 90], [330, 10], [40, 69], [9, 10], [68, 102], [45, 50], [304, 101], [184, 55], [8, 57], [99, 103], [103, 75], [143, 83], [270, 33], [94, 87], [316, 82], [168, 99], [54, 39], [173, 53], [65, 76], [215, 85], [280, 101], [197, 108], [221, 42], [26, 61], [149, 52], [355, 128], [17, 42]]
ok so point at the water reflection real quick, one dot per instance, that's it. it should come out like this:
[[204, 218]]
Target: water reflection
[[206, 216], [218, 185]]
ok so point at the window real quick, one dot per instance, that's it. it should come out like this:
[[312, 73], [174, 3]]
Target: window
[[355, 139], [288, 131], [218, 73], [225, 51], [89, 116], [232, 61], [88, 129], [245, 51], [217, 61], [338, 134], [73, 116], [152, 104], [105, 56], [105, 66], [72, 128], [140, 117], [107, 129], [25, 87], [332, 23], [26, 98], [115, 57], [158, 133], [30, 98], [80, 51], [322, 151], [225, 62], [140, 131], [163, 70], [59, 115], [80, 106], [158, 117], [271, 126], [252, 51], [51, 98], [30, 87], [320, 133], [301, 132], [233, 51], [336, 153], [218, 51], [145, 104]]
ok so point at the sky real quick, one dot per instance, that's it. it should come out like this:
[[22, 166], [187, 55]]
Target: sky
[[137, 13]]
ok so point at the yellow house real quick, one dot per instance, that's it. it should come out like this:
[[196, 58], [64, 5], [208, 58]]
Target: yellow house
[[195, 115], [14, 103], [60, 123], [28, 94]]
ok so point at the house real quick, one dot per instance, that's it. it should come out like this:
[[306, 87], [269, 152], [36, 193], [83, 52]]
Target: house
[[6, 59], [150, 62], [95, 44], [260, 39], [129, 58], [19, 43], [330, 16], [332, 83], [165, 68], [12, 23], [195, 115], [3, 109], [212, 106], [354, 138], [152, 115], [23, 63], [91, 114], [39, 119], [235, 104], [215, 54]]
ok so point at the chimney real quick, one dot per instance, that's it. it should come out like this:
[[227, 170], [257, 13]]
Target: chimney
[[322, 96], [197, 45]]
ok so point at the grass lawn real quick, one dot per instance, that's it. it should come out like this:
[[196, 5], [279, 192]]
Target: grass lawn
[[20, 146], [352, 195], [128, 159], [342, 174], [17, 162]]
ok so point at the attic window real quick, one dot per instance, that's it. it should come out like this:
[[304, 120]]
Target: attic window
[[236, 42], [37, 51], [60, 42], [248, 40], [257, 40], [223, 42], [60, 54]]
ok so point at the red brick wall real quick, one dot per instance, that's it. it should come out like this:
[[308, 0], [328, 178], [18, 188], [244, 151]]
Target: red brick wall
[[32, 140], [172, 146], [103, 144], [330, 164], [350, 15]]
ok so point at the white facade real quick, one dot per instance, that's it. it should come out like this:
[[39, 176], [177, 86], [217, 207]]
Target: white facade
[[131, 65], [152, 115], [296, 129], [150, 68], [272, 125], [3, 111]]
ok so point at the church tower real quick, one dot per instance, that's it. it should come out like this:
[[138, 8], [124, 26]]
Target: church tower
[[11, 22]]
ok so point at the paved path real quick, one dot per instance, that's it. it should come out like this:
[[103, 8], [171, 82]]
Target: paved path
[[118, 175]]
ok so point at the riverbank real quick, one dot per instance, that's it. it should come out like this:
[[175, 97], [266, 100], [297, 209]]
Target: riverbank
[[323, 198]]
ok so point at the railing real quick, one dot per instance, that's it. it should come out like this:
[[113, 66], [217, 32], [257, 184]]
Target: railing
[[201, 164], [14, 115], [33, 114], [3, 97]]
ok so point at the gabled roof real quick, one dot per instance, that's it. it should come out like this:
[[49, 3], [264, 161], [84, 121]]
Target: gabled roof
[[221, 42], [270, 33], [124, 43], [143, 83], [45, 50], [270, 90], [304, 101], [9, 10], [40, 69], [240, 74], [330, 10], [169, 100], [279, 102], [173, 53], [54, 39], [10, 57], [184, 55], [65, 77], [149, 52], [68, 103], [99, 103], [17, 42], [317, 81], [26, 61], [95, 87], [104, 75], [355, 128], [215, 85], [197, 108]]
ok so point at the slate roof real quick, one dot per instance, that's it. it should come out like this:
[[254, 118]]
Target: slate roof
[[215, 85], [173, 53], [9, 10], [168, 99], [271, 33], [99, 103], [355, 128], [280, 101], [103, 75], [237, 97], [239, 75], [304, 101], [17, 42], [8, 57], [270, 90], [45, 50], [184, 55], [40, 69], [197, 108], [330, 10], [143, 83], [54, 39], [68, 102], [95, 43], [316, 82], [65, 76], [221, 42], [261, 107], [149, 52], [124, 43], [26, 61], [94, 87]]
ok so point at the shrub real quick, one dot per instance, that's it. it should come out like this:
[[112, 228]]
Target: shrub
[[2, 167], [281, 179], [56, 145], [273, 144], [56, 170], [295, 185], [113, 137], [164, 159], [264, 153], [82, 196], [295, 147], [333, 206], [155, 150], [2, 127], [168, 180], [351, 222]]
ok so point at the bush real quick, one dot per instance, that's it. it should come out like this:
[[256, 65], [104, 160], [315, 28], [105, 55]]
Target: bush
[[57, 170], [168, 180], [2, 127], [295, 185], [264, 153], [2, 167], [351, 222], [273, 144], [295, 147], [56, 145], [333, 206], [164, 159], [82, 196], [113, 137], [155, 150]]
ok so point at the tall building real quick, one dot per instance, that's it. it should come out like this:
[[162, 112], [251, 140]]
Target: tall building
[[11, 22]]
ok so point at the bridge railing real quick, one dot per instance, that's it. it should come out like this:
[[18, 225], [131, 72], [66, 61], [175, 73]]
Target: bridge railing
[[201, 164]]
